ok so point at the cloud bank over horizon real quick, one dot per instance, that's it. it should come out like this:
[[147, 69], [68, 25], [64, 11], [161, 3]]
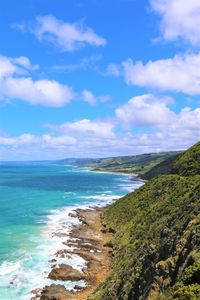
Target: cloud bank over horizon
[[89, 138]]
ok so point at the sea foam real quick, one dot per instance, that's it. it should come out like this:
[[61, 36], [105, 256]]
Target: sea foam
[[18, 277]]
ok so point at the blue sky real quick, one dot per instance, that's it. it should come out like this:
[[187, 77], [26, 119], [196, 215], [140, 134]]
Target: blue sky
[[92, 78]]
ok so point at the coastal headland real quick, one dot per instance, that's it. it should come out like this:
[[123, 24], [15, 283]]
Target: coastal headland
[[151, 234]]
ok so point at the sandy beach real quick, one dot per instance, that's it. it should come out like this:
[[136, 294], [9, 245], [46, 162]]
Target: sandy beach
[[91, 241]]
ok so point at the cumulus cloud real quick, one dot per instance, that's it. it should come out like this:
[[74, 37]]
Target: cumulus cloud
[[86, 127], [44, 92], [43, 140], [179, 74], [87, 138], [22, 139], [16, 65], [145, 110], [179, 19], [155, 113], [80, 138], [16, 83], [164, 128], [66, 36], [150, 125]]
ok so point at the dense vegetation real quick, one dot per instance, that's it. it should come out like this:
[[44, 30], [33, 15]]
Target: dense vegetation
[[163, 168], [156, 245], [186, 163], [137, 164]]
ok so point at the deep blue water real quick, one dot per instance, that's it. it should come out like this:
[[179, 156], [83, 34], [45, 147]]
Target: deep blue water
[[35, 199]]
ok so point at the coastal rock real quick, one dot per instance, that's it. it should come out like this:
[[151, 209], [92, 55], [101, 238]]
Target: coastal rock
[[82, 240], [65, 272], [78, 288], [36, 293], [56, 292], [73, 214], [53, 260]]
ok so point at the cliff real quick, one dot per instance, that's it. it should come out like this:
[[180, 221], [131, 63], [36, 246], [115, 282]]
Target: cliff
[[156, 241]]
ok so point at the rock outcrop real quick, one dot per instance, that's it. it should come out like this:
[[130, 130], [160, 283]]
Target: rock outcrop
[[65, 272]]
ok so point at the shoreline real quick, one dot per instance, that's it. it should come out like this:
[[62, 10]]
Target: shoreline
[[133, 177], [90, 241]]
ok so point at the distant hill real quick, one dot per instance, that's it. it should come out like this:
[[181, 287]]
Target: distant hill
[[135, 164], [184, 164], [156, 241], [75, 161]]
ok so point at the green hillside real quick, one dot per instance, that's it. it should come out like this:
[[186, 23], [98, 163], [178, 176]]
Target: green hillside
[[163, 168], [185, 164], [136, 164], [188, 162], [156, 245]]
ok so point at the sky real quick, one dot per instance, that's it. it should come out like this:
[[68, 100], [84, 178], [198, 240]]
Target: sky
[[98, 78]]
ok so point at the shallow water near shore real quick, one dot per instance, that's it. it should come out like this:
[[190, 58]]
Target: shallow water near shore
[[35, 202]]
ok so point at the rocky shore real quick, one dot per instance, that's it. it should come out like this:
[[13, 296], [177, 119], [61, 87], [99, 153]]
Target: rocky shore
[[90, 241]]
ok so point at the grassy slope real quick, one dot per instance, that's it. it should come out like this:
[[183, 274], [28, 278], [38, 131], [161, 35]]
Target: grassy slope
[[163, 168], [185, 164], [189, 162], [137, 164], [156, 247]]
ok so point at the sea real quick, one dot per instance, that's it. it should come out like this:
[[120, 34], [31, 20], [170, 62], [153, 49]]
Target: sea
[[36, 200]]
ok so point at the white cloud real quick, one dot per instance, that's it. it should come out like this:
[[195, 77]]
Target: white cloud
[[187, 120], [91, 99], [179, 74], [23, 139], [16, 83], [7, 67], [85, 127], [145, 110], [86, 138], [30, 139], [67, 36], [166, 125], [56, 141], [88, 97], [44, 92], [179, 19], [17, 65], [80, 138], [24, 62]]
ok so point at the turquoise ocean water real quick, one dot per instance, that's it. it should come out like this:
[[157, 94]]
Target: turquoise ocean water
[[35, 200]]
